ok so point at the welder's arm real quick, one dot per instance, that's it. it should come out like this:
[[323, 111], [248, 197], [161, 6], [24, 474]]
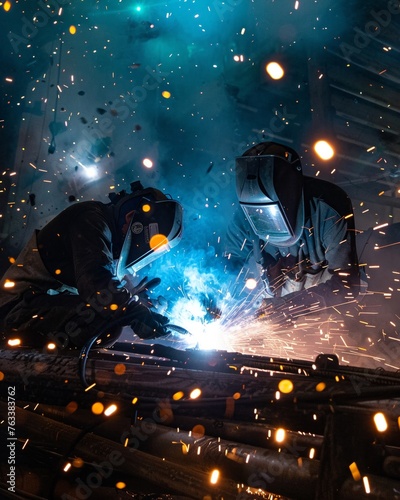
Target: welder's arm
[[91, 247], [91, 243], [338, 281], [341, 279]]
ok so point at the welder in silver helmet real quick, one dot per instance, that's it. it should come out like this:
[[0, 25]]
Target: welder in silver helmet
[[69, 282], [298, 229]]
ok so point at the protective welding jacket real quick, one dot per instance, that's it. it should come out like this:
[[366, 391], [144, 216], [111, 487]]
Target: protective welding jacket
[[324, 258], [74, 253]]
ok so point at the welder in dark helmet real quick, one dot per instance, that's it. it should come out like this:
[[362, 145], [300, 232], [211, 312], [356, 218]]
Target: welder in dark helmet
[[299, 231], [77, 277]]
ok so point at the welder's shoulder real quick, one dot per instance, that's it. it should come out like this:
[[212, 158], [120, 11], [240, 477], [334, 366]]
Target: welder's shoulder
[[82, 217], [81, 213], [329, 193]]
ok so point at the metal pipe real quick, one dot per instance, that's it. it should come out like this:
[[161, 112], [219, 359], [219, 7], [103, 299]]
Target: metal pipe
[[111, 457], [280, 473]]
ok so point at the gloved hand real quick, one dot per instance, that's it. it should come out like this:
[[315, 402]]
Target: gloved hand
[[147, 324], [141, 291], [282, 310]]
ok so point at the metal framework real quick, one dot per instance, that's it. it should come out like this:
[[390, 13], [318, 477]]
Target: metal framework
[[194, 424]]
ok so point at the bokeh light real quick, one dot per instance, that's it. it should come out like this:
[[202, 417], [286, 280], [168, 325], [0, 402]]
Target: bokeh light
[[380, 422], [251, 283], [274, 70], [285, 386], [97, 408], [324, 150], [158, 242], [147, 163]]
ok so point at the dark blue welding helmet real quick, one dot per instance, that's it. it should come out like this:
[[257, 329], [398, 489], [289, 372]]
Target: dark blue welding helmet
[[150, 224], [269, 186]]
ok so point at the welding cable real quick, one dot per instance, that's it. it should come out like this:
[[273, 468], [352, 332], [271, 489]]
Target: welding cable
[[84, 353]]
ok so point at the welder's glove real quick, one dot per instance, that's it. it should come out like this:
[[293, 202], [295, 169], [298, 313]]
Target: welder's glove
[[286, 309], [147, 324], [142, 290]]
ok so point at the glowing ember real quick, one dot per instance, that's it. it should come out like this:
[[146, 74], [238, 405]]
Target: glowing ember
[[110, 410], [195, 393], [380, 422]]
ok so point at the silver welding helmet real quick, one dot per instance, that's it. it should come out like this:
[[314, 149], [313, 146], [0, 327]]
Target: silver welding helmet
[[269, 186], [151, 225]]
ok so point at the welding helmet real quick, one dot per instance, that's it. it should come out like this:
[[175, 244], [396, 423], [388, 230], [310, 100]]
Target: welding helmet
[[269, 186], [150, 224]]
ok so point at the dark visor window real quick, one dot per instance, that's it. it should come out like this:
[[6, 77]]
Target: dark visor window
[[267, 220]]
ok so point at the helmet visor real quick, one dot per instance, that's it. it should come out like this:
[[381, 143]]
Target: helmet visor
[[268, 221], [154, 229], [270, 192]]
